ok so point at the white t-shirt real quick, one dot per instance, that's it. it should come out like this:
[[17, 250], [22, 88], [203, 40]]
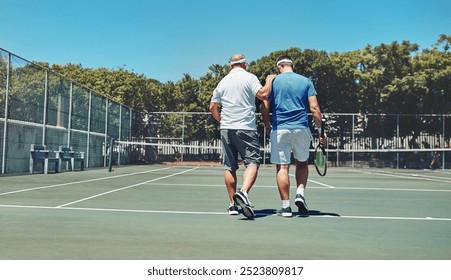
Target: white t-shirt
[[236, 92]]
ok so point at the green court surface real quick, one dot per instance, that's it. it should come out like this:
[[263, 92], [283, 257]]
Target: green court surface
[[159, 212]]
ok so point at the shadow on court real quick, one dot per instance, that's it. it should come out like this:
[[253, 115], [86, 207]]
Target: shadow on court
[[318, 213], [263, 213]]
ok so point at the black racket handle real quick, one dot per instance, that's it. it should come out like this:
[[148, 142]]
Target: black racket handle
[[323, 126]]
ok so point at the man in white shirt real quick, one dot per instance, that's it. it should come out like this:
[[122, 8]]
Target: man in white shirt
[[236, 93]]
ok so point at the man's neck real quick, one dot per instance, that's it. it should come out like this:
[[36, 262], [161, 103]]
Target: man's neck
[[286, 70]]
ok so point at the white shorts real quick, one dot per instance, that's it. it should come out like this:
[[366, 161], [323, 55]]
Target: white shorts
[[285, 141]]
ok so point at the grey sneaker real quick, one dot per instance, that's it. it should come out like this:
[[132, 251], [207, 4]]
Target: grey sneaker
[[233, 210], [285, 212], [243, 201], [301, 204]]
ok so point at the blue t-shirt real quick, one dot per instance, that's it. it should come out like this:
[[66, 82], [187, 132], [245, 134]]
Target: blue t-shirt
[[289, 99]]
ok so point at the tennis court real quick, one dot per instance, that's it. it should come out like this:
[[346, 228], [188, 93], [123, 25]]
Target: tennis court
[[179, 212]]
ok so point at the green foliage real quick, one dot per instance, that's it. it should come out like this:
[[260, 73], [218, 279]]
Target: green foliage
[[27, 88], [389, 78]]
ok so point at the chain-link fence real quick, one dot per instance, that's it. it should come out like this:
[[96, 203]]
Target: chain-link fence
[[372, 140], [38, 106]]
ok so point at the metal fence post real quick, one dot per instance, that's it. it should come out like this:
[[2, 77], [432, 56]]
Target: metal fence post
[[5, 124], [120, 135], [397, 141], [46, 91], [106, 129], [69, 124], [131, 123], [183, 134], [89, 128], [353, 141], [443, 143]]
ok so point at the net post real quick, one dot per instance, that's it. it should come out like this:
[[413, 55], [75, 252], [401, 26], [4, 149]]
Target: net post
[[110, 164]]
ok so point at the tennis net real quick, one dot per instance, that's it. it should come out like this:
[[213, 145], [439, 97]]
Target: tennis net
[[164, 150]]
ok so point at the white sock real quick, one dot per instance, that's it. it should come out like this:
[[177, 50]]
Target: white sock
[[300, 191], [285, 203]]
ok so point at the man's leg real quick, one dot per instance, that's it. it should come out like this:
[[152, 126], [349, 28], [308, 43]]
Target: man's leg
[[283, 184], [301, 180], [230, 182], [301, 174], [249, 149], [230, 165], [249, 177], [241, 197], [283, 181]]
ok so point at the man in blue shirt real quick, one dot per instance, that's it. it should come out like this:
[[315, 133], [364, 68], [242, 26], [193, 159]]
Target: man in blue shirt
[[290, 97]]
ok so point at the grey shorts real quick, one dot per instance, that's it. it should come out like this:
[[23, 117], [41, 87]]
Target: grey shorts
[[242, 142]]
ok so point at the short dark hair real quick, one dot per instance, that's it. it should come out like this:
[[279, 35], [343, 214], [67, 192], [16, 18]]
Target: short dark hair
[[285, 57]]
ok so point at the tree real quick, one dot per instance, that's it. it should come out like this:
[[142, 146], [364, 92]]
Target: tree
[[388, 78]]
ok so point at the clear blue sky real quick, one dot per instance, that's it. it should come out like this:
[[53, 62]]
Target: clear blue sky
[[165, 39]]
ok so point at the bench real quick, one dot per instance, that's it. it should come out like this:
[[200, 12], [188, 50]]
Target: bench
[[66, 154], [39, 154]]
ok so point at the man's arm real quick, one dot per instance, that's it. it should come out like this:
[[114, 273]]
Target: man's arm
[[317, 116], [315, 110], [214, 109], [265, 115], [264, 92]]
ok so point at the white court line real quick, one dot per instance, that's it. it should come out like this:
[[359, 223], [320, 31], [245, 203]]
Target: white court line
[[322, 184], [115, 210], [221, 213], [222, 185], [407, 176], [391, 189], [83, 181], [309, 187], [316, 182], [394, 218], [124, 188]]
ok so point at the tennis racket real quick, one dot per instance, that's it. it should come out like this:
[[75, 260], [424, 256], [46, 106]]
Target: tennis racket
[[320, 160]]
